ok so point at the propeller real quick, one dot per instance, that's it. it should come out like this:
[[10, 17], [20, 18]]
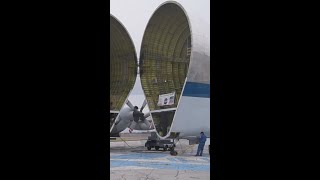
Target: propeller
[[130, 105], [147, 115], [139, 115], [141, 109], [143, 105]]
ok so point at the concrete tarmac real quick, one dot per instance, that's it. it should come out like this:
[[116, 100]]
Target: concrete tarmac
[[130, 160]]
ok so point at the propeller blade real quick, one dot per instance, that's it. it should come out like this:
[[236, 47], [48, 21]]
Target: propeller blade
[[130, 105], [113, 129], [143, 105], [147, 115]]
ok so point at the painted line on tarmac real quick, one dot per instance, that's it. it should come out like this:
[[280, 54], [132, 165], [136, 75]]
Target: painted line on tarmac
[[162, 165], [160, 161]]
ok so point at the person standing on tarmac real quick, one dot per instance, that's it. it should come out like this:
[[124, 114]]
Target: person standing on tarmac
[[202, 141]]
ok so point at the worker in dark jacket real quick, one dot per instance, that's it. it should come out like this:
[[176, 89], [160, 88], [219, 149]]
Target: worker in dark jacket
[[137, 115], [202, 141]]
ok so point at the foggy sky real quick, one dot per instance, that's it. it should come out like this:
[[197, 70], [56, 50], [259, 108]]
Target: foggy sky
[[135, 14]]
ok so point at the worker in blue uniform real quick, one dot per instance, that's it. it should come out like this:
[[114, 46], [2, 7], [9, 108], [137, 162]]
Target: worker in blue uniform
[[202, 141]]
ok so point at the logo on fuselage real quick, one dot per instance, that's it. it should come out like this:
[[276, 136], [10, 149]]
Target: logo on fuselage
[[165, 100]]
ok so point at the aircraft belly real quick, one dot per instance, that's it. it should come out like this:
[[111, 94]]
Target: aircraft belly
[[192, 116]]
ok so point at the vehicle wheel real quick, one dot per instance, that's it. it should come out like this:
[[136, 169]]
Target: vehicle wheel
[[173, 153], [157, 148], [164, 149], [149, 148]]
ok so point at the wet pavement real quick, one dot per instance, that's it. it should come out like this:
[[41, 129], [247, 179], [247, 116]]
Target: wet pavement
[[130, 160]]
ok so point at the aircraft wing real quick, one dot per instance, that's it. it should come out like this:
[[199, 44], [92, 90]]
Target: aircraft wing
[[163, 110]]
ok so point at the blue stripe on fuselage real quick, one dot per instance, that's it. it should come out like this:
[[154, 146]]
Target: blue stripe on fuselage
[[194, 89]]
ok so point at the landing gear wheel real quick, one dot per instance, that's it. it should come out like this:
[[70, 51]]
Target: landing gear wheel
[[149, 148], [157, 148], [173, 153]]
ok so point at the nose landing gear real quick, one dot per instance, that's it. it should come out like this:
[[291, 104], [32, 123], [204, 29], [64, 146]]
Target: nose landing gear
[[173, 152]]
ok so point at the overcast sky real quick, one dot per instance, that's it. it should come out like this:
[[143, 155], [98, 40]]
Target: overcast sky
[[135, 14]]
